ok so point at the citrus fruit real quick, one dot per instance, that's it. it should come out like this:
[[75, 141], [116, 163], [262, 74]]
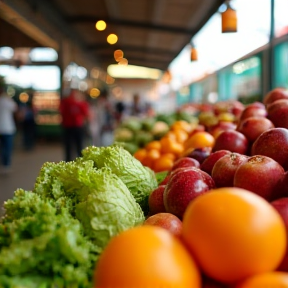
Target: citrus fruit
[[164, 163], [234, 233], [140, 154], [200, 140], [146, 256], [266, 280]]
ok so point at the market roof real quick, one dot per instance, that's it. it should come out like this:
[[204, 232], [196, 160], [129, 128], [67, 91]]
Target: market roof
[[151, 32]]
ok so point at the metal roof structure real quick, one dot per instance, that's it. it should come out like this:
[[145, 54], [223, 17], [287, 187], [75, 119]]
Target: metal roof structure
[[151, 32]]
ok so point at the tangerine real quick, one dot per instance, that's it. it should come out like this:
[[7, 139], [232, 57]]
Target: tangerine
[[140, 154], [200, 140], [153, 145], [234, 233], [146, 256], [164, 163], [270, 279]]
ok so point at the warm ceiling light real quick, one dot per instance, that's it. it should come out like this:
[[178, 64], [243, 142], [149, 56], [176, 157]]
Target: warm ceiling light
[[94, 92], [100, 25], [123, 61], [112, 39], [23, 97], [229, 19], [118, 55], [193, 53]]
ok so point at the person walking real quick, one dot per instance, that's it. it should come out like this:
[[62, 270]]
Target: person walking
[[74, 111], [7, 130]]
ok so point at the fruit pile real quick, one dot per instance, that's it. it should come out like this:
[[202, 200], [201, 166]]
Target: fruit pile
[[219, 218]]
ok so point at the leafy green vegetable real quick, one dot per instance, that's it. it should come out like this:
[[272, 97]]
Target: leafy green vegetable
[[140, 180], [52, 236], [160, 176], [44, 241]]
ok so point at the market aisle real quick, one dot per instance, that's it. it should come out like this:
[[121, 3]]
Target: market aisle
[[26, 166]]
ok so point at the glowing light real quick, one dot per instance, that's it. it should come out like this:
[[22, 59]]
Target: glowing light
[[112, 39], [132, 71], [118, 55], [24, 97], [94, 92], [100, 25], [123, 62]]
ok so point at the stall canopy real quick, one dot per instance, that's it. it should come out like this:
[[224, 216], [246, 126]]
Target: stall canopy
[[151, 33]]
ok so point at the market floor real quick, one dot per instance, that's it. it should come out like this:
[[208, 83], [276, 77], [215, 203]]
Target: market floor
[[25, 168]]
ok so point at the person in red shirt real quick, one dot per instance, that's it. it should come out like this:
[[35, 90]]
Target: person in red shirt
[[75, 112]]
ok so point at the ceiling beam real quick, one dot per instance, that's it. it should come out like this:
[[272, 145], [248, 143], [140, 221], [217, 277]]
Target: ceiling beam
[[126, 48], [132, 24]]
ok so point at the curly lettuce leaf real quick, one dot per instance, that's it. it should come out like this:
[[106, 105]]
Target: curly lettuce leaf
[[140, 180], [109, 209]]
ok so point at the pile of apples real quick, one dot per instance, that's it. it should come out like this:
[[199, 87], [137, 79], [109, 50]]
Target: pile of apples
[[251, 154]]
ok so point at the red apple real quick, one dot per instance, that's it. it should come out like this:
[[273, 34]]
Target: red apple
[[273, 143], [275, 94], [281, 205], [278, 113], [200, 154], [233, 141], [259, 174], [253, 127], [224, 169], [155, 200], [220, 127], [209, 163], [167, 221], [256, 104], [184, 185], [253, 111], [185, 162], [282, 187]]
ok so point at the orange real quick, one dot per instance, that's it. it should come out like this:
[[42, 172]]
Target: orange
[[164, 163], [169, 145], [270, 279], [182, 125], [234, 233], [169, 155], [146, 256], [200, 140], [153, 145], [150, 157], [140, 154], [181, 136]]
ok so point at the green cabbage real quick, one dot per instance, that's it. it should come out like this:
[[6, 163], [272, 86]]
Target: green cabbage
[[140, 180]]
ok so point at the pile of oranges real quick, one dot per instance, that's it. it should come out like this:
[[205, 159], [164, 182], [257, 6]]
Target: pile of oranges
[[161, 155], [231, 238]]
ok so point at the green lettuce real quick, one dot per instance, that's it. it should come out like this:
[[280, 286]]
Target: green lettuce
[[44, 241], [140, 180], [97, 197], [108, 209]]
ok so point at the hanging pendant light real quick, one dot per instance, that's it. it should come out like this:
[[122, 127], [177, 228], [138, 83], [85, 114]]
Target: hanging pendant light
[[193, 53], [229, 19]]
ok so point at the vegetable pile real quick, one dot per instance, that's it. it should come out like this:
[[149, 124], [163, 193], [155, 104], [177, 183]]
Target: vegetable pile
[[54, 234]]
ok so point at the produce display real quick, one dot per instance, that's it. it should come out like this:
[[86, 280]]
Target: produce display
[[214, 213], [134, 132], [54, 234]]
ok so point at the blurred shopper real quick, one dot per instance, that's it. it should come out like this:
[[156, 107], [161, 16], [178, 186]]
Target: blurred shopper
[[28, 125], [137, 108], [75, 112], [119, 112], [7, 130]]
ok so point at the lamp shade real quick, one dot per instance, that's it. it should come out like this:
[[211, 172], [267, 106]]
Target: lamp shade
[[194, 54], [229, 20]]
